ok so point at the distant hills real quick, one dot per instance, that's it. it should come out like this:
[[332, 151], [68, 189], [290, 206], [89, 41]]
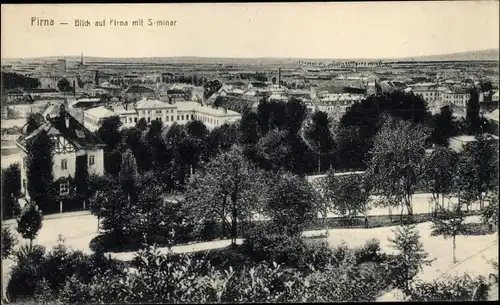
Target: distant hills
[[480, 55]]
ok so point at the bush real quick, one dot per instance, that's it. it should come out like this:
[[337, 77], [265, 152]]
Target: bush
[[369, 252], [26, 272], [8, 242], [464, 288]]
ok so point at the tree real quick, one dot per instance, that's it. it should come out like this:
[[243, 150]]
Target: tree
[[292, 203], [142, 124], [226, 187], [347, 195], [221, 139], [11, 190], [450, 223], [472, 113], [33, 121], [137, 143], [100, 188], [128, 176], [411, 257], [8, 242], [396, 165], [483, 157], [320, 138], [64, 86], [39, 170], [110, 134], [29, 222], [439, 174], [248, 128], [443, 127]]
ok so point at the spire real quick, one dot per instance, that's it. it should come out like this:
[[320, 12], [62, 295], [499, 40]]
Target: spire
[[81, 59]]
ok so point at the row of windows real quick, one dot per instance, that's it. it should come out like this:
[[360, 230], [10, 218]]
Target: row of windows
[[158, 111], [64, 162]]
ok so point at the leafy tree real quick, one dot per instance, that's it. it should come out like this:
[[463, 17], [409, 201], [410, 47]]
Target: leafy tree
[[320, 138], [64, 86], [30, 222], [483, 156], [440, 173], [128, 176], [396, 165], [158, 150], [137, 143], [291, 204], [248, 128], [33, 121], [411, 257], [39, 170], [272, 150], [11, 190], [15, 80], [110, 134], [295, 115], [443, 127], [472, 113], [450, 223], [221, 139], [347, 195], [227, 187], [8, 242], [142, 125], [100, 188], [263, 116]]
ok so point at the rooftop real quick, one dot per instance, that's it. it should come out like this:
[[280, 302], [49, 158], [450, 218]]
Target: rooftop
[[100, 112], [152, 104], [76, 133]]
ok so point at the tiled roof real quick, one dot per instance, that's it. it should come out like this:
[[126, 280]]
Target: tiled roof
[[138, 89], [76, 133], [100, 112]]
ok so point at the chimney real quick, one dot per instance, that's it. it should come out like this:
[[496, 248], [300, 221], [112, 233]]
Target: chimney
[[279, 77], [225, 110], [66, 119], [81, 60], [96, 78], [74, 87]]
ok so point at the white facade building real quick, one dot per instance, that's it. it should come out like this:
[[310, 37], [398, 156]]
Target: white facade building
[[336, 104], [180, 113], [93, 117], [74, 146]]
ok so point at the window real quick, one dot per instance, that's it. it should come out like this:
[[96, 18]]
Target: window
[[172, 118], [177, 117], [135, 120], [182, 117], [130, 120], [158, 111], [149, 111], [166, 118], [149, 119], [64, 188], [64, 164], [144, 112], [192, 117], [160, 119], [91, 160]]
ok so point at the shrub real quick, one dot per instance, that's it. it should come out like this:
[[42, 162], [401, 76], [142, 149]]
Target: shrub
[[369, 252], [26, 272], [464, 288], [8, 242]]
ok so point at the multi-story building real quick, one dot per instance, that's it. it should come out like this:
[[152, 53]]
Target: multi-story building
[[167, 113], [92, 118], [336, 104], [456, 97], [137, 92], [75, 149]]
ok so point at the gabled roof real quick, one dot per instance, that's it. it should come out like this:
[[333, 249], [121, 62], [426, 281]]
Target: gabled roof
[[76, 133]]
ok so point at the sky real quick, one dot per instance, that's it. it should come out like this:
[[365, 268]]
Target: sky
[[248, 30]]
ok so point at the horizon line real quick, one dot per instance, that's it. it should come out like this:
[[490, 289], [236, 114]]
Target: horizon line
[[260, 57]]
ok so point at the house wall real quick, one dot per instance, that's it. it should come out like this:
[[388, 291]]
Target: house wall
[[98, 167], [71, 167]]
